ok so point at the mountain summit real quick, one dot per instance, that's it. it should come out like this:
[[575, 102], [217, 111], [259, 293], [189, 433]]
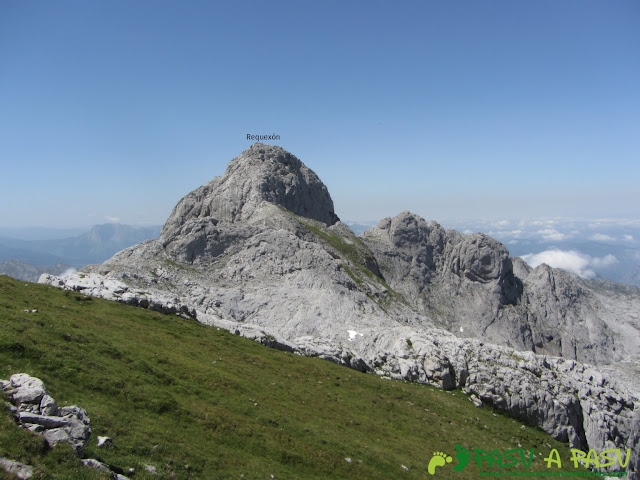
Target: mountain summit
[[262, 173], [259, 251]]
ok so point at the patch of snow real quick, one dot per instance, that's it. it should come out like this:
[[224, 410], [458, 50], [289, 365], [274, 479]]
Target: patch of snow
[[353, 334]]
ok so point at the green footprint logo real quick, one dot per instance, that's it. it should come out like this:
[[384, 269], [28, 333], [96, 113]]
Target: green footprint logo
[[438, 460]]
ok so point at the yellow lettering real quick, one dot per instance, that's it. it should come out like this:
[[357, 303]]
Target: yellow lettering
[[577, 455], [626, 462], [592, 457], [612, 460], [554, 457]]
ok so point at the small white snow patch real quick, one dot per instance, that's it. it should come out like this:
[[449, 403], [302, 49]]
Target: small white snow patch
[[105, 442], [461, 329], [353, 334]]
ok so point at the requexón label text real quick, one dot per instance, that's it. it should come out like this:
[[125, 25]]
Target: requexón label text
[[263, 137]]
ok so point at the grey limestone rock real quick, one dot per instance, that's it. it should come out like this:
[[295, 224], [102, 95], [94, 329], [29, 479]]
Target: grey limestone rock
[[261, 173], [103, 467], [20, 470], [470, 286], [36, 410], [26, 389]]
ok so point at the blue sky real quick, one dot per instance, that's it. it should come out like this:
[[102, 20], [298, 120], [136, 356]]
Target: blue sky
[[497, 109]]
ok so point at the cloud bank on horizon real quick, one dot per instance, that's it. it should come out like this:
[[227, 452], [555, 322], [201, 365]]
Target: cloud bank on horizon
[[590, 248], [575, 262]]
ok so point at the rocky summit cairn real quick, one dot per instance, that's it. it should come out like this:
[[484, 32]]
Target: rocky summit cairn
[[259, 251]]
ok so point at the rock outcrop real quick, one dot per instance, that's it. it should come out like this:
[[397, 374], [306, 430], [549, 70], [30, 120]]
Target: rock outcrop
[[34, 409], [19, 470], [259, 251], [37, 411]]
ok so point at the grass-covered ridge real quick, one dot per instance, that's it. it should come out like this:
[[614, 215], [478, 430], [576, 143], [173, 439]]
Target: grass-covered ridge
[[198, 402]]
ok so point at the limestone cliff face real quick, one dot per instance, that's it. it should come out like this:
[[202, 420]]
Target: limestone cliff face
[[260, 251]]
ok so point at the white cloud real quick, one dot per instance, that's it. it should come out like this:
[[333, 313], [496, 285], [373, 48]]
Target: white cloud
[[603, 262], [628, 238], [551, 234], [112, 219], [571, 261], [601, 237], [614, 222]]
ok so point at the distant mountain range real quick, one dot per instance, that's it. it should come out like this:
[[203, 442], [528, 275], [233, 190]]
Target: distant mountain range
[[26, 259]]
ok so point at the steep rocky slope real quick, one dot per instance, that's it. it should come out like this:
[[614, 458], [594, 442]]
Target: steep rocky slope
[[260, 251]]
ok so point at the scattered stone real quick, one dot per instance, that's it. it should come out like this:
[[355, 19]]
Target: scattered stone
[[93, 463], [37, 411], [105, 442], [20, 470], [348, 460]]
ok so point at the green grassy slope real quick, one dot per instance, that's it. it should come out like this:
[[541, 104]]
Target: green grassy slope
[[198, 402]]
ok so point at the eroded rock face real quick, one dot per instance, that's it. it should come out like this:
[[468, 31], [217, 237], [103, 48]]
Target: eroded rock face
[[259, 251]]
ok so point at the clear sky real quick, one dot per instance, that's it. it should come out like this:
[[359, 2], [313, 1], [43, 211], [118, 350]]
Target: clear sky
[[451, 109]]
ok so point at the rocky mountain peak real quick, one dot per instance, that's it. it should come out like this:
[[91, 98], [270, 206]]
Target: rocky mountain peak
[[262, 173]]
